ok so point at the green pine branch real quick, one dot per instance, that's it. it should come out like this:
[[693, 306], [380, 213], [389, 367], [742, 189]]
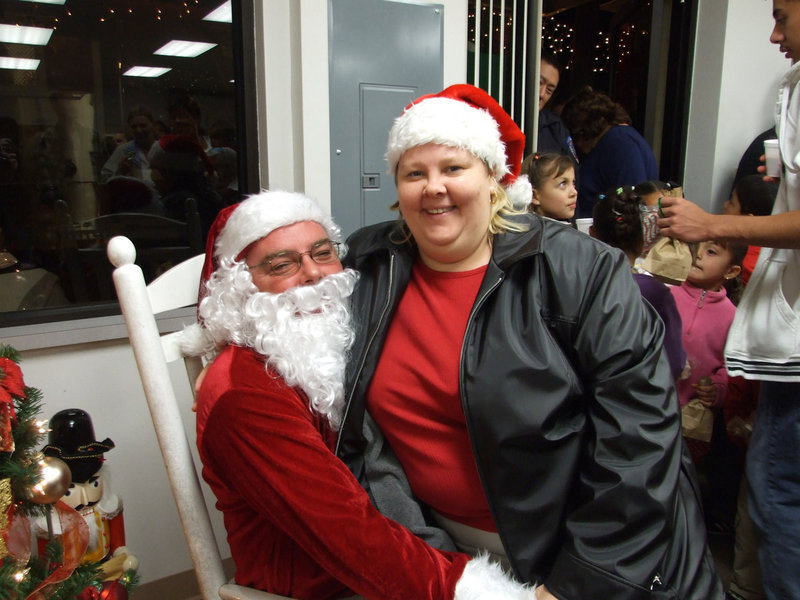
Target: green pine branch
[[9, 352]]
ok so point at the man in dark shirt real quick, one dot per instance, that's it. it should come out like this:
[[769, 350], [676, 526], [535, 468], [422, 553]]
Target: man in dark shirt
[[553, 134]]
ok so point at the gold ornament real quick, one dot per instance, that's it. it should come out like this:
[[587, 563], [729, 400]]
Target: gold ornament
[[54, 479], [5, 503]]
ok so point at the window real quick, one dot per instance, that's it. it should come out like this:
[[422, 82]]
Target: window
[[608, 45], [117, 117]]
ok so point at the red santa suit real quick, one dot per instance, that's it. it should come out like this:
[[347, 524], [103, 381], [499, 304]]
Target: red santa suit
[[297, 519]]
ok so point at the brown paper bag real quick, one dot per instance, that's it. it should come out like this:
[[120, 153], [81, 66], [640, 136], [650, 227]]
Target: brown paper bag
[[669, 260], [697, 421]]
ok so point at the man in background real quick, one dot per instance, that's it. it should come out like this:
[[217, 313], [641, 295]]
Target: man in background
[[553, 134]]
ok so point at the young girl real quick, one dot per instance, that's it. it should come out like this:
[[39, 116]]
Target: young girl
[[552, 178], [751, 195], [617, 222], [707, 313]]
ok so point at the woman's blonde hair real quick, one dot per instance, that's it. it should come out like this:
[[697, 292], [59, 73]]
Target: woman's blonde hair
[[502, 209]]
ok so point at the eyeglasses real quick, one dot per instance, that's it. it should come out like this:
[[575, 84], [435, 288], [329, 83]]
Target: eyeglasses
[[289, 262]]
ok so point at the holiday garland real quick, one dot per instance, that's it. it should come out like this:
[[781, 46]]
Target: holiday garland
[[23, 496]]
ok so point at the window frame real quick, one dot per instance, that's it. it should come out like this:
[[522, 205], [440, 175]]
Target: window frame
[[86, 323]]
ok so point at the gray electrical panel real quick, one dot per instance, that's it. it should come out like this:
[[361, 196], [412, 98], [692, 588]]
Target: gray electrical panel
[[383, 55]]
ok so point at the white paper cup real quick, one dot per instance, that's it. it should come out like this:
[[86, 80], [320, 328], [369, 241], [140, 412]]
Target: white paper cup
[[773, 158], [583, 225]]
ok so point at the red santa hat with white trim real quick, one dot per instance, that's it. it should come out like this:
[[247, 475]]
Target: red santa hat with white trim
[[464, 116], [238, 227]]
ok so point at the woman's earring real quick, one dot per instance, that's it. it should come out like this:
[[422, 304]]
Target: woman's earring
[[493, 196]]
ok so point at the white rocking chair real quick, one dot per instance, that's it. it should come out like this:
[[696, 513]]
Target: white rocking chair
[[140, 303]]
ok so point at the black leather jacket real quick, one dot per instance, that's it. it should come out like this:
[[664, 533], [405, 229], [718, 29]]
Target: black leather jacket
[[571, 411]]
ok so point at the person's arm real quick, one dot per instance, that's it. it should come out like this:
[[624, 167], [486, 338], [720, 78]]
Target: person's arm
[[686, 221], [619, 533], [110, 167], [663, 301], [266, 448]]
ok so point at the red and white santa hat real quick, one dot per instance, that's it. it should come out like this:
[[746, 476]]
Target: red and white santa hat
[[464, 116], [238, 227]]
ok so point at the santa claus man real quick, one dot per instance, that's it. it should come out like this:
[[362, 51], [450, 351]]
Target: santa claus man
[[274, 298]]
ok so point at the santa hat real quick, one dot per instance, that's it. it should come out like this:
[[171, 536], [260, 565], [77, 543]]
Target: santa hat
[[238, 227], [179, 154], [463, 116]]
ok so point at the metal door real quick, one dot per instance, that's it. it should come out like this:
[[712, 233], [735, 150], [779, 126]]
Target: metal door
[[382, 56]]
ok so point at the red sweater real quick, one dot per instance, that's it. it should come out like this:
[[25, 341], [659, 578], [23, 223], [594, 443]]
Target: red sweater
[[415, 398], [298, 522]]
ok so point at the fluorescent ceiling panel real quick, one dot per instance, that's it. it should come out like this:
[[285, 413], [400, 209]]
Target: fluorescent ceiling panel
[[221, 14], [184, 49], [47, 1], [146, 71], [19, 34], [22, 64]]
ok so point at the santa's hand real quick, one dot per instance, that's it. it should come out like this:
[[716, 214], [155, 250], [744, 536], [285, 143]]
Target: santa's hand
[[197, 384], [543, 594]]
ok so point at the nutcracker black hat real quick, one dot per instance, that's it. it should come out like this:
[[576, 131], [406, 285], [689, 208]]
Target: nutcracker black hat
[[72, 439]]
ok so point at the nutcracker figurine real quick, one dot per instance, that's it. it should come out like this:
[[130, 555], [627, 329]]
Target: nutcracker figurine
[[72, 439]]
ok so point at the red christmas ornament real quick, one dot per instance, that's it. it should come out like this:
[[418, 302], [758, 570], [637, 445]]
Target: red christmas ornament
[[112, 590], [90, 593]]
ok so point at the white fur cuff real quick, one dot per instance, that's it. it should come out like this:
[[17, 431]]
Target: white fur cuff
[[483, 579], [195, 340]]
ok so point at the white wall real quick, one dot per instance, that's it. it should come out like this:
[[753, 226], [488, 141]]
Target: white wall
[[735, 76]]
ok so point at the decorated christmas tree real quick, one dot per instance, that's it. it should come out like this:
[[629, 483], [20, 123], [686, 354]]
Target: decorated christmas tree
[[31, 485]]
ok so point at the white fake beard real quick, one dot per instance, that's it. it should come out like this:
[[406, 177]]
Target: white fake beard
[[305, 334]]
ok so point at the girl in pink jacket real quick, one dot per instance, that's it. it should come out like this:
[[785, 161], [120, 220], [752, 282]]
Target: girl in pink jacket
[[706, 315]]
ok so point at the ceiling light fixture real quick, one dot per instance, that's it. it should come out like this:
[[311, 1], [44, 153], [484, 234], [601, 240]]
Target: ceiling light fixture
[[21, 64], [184, 49], [47, 1], [20, 34], [146, 71], [221, 14]]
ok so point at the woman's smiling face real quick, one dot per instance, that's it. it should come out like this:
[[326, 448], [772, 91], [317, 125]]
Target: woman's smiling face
[[444, 195]]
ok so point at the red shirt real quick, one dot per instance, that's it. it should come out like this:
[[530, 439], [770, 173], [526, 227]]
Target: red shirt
[[749, 262], [415, 398]]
